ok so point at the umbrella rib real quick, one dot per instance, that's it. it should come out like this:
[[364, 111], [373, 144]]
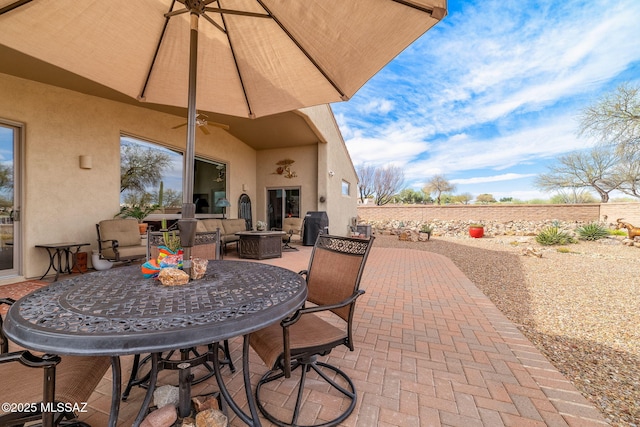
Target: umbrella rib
[[436, 12], [155, 54], [13, 5], [236, 12], [235, 61], [343, 96]]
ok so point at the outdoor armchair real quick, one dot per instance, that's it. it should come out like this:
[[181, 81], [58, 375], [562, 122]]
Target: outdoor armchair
[[325, 322], [34, 382], [293, 228], [119, 240]]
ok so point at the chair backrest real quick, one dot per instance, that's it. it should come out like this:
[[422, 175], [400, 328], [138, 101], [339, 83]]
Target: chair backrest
[[335, 270], [292, 224], [124, 230], [207, 244]]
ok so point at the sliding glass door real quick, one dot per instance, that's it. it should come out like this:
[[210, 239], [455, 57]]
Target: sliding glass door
[[10, 137], [281, 203]]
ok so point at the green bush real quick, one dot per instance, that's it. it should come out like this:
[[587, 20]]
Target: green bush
[[553, 236], [593, 231], [426, 228], [616, 232]]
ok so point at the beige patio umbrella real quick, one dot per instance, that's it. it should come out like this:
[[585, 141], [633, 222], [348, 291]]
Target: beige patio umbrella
[[247, 58]]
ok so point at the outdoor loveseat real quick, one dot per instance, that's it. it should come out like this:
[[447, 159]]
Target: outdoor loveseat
[[228, 228]]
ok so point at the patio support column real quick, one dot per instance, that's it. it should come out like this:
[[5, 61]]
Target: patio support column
[[188, 207]]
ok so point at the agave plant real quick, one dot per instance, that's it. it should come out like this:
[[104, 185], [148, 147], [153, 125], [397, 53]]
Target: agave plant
[[554, 236], [593, 231]]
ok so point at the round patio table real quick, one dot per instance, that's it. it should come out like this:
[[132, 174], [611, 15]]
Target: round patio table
[[119, 312]]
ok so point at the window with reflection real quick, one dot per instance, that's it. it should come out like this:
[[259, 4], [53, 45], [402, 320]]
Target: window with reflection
[[151, 174]]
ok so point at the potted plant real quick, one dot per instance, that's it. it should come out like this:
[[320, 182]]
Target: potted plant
[[476, 230], [138, 212]]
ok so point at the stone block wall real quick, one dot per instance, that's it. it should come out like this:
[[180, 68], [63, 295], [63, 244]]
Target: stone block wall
[[499, 213]]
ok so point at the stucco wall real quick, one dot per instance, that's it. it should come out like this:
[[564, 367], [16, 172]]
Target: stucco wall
[[333, 156], [608, 212], [305, 167], [60, 201]]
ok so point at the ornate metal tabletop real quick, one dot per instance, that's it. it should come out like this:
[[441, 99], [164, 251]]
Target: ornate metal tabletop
[[118, 312]]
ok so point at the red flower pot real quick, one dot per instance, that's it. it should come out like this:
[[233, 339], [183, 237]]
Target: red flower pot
[[476, 232]]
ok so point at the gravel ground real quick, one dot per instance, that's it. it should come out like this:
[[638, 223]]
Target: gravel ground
[[581, 308]]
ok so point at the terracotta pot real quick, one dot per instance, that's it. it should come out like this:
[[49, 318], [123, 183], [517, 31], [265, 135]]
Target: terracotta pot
[[143, 227], [476, 232]]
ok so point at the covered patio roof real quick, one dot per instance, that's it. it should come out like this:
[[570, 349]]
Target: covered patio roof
[[277, 131]]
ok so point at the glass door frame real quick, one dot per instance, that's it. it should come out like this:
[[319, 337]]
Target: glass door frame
[[18, 143], [276, 214]]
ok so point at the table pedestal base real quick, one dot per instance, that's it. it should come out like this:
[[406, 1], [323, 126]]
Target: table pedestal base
[[184, 367]]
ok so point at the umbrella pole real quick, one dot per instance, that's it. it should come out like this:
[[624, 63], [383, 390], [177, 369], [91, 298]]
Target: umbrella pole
[[187, 224]]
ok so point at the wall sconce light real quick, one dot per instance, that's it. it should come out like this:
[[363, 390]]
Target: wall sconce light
[[244, 187], [331, 173], [86, 162]]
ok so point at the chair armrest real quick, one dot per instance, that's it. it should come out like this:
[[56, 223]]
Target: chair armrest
[[4, 342], [114, 243], [285, 323]]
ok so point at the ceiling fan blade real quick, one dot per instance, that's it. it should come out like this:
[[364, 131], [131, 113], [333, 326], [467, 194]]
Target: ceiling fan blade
[[204, 130], [219, 125], [179, 126]]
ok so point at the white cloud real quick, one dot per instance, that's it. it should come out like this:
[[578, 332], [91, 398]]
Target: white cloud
[[497, 85], [377, 106], [494, 178]]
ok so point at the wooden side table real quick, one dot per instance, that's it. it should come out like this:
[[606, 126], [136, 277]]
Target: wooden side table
[[260, 244]]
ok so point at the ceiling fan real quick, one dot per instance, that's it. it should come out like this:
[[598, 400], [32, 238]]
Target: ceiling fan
[[202, 123]]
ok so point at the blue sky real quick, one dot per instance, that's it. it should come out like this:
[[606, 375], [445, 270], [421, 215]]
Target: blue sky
[[491, 95]]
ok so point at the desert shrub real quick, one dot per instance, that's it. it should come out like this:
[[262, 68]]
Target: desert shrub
[[616, 232], [426, 228], [554, 236], [593, 231]]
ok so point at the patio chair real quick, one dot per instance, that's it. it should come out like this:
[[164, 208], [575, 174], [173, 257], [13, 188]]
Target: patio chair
[[119, 240], [207, 246], [293, 228], [325, 322], [62, 383]]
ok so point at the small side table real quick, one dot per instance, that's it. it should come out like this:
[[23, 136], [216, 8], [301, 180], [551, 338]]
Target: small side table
[[56, 251]]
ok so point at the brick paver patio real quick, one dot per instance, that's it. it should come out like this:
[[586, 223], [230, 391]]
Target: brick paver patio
[[431, 350]]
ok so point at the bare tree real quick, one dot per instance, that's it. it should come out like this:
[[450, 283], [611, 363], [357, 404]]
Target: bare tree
[[627, 172], [366, 175], [141, 167], [437, 185], [6, 177], [593, 169], [615, 118], [387, 182]]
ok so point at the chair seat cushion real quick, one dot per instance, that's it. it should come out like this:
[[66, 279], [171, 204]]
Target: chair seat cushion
[[310, 332], [76, 378], [126, 252]]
